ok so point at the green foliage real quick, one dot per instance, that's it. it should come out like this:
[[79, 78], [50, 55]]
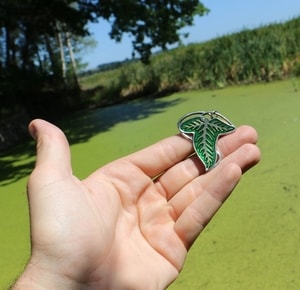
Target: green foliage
[[260, 55], [40, 42], [150, 23], [34, 62]]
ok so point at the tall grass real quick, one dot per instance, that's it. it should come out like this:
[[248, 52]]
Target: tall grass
[[260, 55]]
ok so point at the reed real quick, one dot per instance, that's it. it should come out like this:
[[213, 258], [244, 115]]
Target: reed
[[264, 54]]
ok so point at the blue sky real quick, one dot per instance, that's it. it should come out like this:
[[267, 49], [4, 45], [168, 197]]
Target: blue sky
[[226, 16]]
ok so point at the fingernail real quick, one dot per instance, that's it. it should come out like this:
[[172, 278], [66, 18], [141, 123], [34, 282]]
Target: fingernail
[[32, 130]]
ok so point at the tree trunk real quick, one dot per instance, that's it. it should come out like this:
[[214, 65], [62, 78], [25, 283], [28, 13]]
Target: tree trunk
[[53, 59], [7, 46], [62, 56], [73, 60]]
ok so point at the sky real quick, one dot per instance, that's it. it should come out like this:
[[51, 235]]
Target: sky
[[225, 17]]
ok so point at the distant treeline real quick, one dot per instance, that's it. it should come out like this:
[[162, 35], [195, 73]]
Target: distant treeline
[[105, 67], [260, 55]]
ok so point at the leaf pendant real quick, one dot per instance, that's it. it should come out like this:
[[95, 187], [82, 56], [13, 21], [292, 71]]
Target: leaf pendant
[[204, 129]]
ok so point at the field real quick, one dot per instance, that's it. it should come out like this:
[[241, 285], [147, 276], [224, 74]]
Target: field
[[252, 243]]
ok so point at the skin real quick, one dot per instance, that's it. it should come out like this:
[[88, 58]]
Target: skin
[[130, 224]]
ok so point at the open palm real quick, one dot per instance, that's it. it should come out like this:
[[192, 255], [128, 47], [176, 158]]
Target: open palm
[[130, 224]]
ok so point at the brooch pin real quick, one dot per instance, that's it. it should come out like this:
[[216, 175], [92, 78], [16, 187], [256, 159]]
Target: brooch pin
[[204, 129]]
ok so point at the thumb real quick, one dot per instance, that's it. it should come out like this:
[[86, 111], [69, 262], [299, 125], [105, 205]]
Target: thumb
[[46, 186], [53, 160]]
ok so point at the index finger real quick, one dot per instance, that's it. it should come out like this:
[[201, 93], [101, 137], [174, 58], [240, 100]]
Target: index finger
[[162, 155]]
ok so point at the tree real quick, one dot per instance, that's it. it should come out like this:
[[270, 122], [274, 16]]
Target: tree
[[150, 23], [38, 40]]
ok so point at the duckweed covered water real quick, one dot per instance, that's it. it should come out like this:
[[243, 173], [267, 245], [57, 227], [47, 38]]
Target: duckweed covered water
[[252, 243]]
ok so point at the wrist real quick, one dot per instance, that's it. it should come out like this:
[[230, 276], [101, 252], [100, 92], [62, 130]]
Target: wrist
[[37, 278]]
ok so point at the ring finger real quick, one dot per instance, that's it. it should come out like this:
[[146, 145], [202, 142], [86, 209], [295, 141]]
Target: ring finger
[[176, 177]]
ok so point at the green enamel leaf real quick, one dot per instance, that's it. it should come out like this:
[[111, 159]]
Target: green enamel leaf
[[205, 133]]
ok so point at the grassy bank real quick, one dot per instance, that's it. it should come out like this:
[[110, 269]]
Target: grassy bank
[[263, 54], [253, 242]]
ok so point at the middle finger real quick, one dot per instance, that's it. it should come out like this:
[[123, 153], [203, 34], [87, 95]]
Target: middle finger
[[176, 177]]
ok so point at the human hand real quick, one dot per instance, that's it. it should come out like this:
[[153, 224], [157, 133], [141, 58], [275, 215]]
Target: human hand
[[129, 224]]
